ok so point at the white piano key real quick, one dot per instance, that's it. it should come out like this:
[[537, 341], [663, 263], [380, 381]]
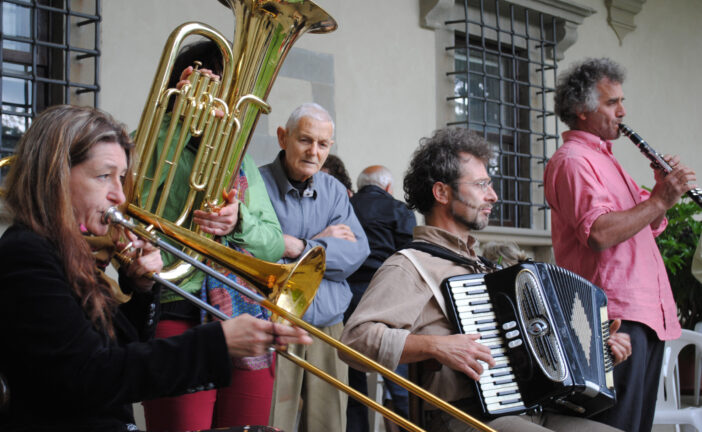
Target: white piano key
[[491, 381], [494, 407], [483, 318], [464, 282], [485, 386], [505, 390]]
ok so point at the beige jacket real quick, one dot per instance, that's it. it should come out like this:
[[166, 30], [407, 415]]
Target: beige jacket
[[398, 302]]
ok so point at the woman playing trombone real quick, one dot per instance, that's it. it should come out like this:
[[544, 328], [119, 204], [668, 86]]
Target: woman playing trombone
[[73, 355]]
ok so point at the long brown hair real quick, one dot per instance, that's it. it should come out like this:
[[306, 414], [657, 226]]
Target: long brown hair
[[38, 193]]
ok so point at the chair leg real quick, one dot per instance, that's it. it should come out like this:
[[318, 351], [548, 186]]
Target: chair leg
[[698, 366]]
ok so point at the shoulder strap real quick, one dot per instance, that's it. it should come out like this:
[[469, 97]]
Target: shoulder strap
[[447, 254], [434, 285]]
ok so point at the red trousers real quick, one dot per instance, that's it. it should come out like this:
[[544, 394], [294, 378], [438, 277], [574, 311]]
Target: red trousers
[[247, 401]]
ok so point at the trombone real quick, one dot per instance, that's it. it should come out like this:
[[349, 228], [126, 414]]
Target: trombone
[[113, 216]]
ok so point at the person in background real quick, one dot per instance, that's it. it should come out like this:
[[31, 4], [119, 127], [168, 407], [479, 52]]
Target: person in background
[[401, 317], [246, 223], [314, 210], [74, 357], [335, 167], [697, 261], [604, 227], [388, 223], [504, 254]]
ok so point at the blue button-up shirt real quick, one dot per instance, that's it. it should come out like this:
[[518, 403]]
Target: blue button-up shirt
[[304, 215]]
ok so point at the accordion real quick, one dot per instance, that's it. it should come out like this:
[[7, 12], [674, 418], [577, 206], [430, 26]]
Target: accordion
[[547, 329]]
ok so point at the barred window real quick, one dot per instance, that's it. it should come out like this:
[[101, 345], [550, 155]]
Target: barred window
[[505, 67], [50, 55]]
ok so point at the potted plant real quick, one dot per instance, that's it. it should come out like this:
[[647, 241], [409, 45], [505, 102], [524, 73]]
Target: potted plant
[[677, 245]]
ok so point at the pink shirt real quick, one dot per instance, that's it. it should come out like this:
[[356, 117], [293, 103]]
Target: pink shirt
[[583, 181]]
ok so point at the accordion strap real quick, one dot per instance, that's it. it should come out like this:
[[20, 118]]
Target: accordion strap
[[448, 254], [444, 253], [434, 285]]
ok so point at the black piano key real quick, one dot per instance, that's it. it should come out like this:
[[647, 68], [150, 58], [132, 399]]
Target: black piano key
[[500, 374], [510, 401], [479, 302], [507, 392]]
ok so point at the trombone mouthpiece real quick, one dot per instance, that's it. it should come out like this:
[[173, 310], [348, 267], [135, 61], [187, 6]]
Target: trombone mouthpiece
[[112, 215]]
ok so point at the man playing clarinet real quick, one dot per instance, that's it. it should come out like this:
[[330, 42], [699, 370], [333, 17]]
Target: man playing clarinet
[[604, 228]]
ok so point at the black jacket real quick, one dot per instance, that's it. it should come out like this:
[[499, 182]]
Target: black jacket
[[388, 224], [63, 373]]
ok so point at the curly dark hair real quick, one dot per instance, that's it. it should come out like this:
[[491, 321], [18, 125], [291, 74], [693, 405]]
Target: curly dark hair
[[437, 160], [335, 167], [576, 91]]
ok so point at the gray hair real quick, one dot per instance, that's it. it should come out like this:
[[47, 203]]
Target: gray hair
[[438, 160], [311, 110], [504, 253], [576, 91], [380, 176]]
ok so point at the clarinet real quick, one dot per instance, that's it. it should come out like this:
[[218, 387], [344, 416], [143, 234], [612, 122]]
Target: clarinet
[[658, 162]]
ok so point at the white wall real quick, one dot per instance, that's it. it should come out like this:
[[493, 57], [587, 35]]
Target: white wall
[[662, 88], [383, 72], [385, 75]]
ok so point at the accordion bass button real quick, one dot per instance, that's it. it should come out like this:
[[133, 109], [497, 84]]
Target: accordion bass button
[[515, 343], [512, 334], [509, 325]]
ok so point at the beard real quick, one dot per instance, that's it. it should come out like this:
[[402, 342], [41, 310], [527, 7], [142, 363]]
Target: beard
[[475, 223]]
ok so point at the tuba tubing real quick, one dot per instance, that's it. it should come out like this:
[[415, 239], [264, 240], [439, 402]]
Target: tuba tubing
[[265, 31], [113, 216]]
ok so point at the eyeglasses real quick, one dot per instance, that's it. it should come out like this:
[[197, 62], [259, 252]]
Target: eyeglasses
[[483, 184]]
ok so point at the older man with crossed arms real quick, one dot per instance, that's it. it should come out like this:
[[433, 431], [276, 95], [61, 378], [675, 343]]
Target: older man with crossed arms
[[314, 209]]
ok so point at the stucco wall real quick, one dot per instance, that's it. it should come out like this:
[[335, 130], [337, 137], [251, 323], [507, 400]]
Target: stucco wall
[[382, 82], [662, 88], [377, 74], [384, 76]]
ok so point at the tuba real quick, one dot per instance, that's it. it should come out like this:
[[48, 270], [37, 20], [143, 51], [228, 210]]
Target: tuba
[[221, 114]]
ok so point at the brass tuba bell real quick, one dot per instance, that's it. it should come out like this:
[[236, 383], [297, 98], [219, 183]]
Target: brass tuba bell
[[265, 30]]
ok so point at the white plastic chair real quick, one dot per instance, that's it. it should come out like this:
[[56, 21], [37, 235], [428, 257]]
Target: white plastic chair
[[668, 405], [698, 366]]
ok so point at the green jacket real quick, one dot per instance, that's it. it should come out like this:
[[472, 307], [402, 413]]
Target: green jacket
[[258, 230]]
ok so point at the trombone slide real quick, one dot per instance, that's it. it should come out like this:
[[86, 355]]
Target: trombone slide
[[112, 215]]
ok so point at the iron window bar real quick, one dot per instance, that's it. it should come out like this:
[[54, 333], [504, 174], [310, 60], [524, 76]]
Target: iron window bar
[[513, 113], [38, 60]]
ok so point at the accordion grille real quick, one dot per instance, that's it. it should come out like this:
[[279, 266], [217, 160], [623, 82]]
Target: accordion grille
[[575, 296], [536, 318]]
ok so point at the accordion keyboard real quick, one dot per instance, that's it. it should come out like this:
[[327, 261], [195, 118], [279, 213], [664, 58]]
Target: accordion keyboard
[[475, 314]]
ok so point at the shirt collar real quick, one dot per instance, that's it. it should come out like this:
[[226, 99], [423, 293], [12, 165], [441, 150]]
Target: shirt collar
[[589, 139], [371, 188], [446, 239], [284, 185]]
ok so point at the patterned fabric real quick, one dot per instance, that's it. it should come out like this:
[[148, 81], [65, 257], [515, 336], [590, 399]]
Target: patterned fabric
[[230, 301]]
